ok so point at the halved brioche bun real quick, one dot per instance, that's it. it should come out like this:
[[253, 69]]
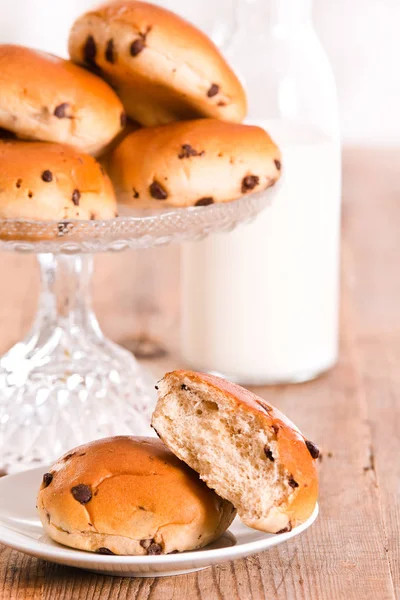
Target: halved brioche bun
[[242, 447]]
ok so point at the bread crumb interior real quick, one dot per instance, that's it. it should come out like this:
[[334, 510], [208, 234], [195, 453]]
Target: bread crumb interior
[[228, 446]]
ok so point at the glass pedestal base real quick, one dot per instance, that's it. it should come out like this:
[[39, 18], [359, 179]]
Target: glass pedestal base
[[66, 384]]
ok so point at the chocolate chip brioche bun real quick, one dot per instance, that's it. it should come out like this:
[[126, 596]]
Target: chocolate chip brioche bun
[[131, 496], [40, 181], [163, 68], [49, 99], [242, 447], [193, 163]]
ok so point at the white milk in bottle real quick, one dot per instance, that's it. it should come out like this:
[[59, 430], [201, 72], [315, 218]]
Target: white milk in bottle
[[261, 304]]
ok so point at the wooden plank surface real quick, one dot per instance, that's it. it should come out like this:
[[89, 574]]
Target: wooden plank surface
[[352, 551]]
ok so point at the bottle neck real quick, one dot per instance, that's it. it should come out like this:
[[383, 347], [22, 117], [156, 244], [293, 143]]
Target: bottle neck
[[266, 13]]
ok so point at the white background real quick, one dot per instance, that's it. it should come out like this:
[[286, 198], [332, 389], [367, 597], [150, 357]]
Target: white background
[[362, 39]]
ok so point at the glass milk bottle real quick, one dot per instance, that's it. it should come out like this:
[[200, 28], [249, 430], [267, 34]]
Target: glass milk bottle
[[260, 305]]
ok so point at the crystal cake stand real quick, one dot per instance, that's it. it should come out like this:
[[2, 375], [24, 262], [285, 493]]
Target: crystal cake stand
[[65, 383]]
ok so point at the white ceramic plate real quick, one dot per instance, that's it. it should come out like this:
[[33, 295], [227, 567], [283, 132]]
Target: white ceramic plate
[[20, 528]]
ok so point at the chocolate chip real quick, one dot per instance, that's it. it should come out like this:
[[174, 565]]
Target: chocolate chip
[[76, 195], [47, 479], [313, 449], [105, 551], [109, 53], [82, 493], [157, 191], [137, 46], [154, 549], [156, 386], [6, 135], [90, 51], [275, 429], [213, 91], [187, 151], [47, 176], [268, 453], [151, 546], [185, 388], [278, 164], [60, 111], [92, 217], [286, 530], [293, 483], [205, 201], [63, 227], [123, 119], [30, 194], [264, 407], [19, 183], [135, 193], [249, 183]]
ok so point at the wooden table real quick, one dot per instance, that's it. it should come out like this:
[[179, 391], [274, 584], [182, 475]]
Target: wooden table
[[352, 552]]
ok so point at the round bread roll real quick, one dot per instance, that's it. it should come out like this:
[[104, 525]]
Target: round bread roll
[[163, 68], [40, 181], [131, 496], [241, 446], [49, 99], [193, 163]]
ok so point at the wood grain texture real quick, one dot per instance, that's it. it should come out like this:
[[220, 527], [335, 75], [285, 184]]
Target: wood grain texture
[[353, 412]]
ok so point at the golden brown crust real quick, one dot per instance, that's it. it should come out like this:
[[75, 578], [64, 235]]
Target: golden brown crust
[[164, 68], [129, 496], [46, 98], [296, 454], [40, 181], [193, 163]]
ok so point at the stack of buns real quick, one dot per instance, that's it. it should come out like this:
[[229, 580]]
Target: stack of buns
[[223, 450], [173, 81], [149, 95]]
